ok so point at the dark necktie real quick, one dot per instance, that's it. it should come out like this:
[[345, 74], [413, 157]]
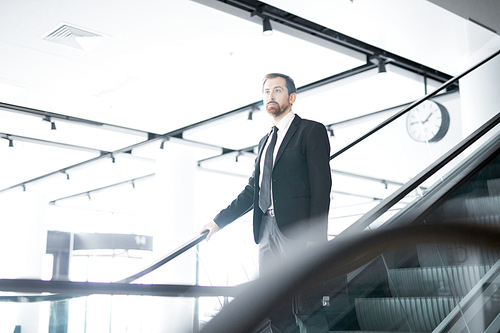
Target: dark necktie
[[265, 187]]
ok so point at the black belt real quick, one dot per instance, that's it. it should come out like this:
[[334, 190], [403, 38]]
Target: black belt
[[269, 212]]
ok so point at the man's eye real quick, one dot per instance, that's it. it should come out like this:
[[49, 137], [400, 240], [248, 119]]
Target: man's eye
[[278, 90]]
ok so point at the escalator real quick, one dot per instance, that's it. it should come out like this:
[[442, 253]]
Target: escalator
[[417, 289], [435, 287]]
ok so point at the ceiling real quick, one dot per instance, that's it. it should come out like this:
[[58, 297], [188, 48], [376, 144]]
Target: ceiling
[[416, 29], [129, 71]]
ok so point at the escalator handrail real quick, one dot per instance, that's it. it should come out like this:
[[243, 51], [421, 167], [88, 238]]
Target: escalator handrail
[[66, 290], [416, 181], [411, 106], [162, 261]]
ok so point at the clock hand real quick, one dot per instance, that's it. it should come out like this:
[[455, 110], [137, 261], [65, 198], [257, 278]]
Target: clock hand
[[430, 114]]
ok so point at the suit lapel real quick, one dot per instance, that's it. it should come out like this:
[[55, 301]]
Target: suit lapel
[[289, 134]]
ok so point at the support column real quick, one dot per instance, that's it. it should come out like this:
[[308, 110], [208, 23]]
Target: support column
[[174, 211]]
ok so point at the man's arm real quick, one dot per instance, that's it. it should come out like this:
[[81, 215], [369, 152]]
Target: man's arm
[[320, 178], [240, 206]]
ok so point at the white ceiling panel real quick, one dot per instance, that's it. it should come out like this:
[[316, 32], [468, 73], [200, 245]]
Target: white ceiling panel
[[163, 64], [416, 29]]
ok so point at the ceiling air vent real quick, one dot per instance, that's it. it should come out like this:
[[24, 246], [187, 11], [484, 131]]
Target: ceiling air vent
[[74, 37]]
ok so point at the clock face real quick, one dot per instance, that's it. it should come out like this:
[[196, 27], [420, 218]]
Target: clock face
[[428, 122]]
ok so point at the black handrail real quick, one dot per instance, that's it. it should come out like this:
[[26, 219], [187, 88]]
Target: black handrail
[[411, 106], [64, 290], [165, 259]]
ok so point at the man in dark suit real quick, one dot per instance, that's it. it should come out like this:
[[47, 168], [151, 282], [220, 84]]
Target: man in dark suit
[[290, 194]]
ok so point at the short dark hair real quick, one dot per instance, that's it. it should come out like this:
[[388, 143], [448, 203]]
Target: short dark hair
[[290, 85]]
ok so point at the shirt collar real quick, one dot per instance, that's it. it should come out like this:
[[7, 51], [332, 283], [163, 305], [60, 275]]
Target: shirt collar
[[283, 123]]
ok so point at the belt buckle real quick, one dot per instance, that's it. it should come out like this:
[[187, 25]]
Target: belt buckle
[[270, 212]]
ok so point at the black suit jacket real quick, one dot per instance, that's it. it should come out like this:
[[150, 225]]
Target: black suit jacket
[[301, 182]]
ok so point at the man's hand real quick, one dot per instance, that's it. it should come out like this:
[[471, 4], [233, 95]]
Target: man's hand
[[212, 227]]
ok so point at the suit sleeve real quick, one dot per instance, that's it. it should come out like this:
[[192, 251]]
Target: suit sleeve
[[320, 178], [243, 202], [240, 206]]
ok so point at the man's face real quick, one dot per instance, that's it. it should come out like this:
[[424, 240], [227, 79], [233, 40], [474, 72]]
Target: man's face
[[276, 99]]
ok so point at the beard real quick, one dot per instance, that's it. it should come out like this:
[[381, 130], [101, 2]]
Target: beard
[[275, 109]]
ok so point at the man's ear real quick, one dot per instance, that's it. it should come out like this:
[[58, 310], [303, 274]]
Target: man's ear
[[292, 98]]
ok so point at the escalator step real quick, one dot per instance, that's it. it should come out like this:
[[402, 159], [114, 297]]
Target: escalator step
[[493, 187], [483, 206], [422, 314], [430, 255], [451, 209], [491, 220], [465, 254], [459, 208], [435, 281]]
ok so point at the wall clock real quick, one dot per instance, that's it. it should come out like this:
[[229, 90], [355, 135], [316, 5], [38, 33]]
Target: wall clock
[[428, 122]]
